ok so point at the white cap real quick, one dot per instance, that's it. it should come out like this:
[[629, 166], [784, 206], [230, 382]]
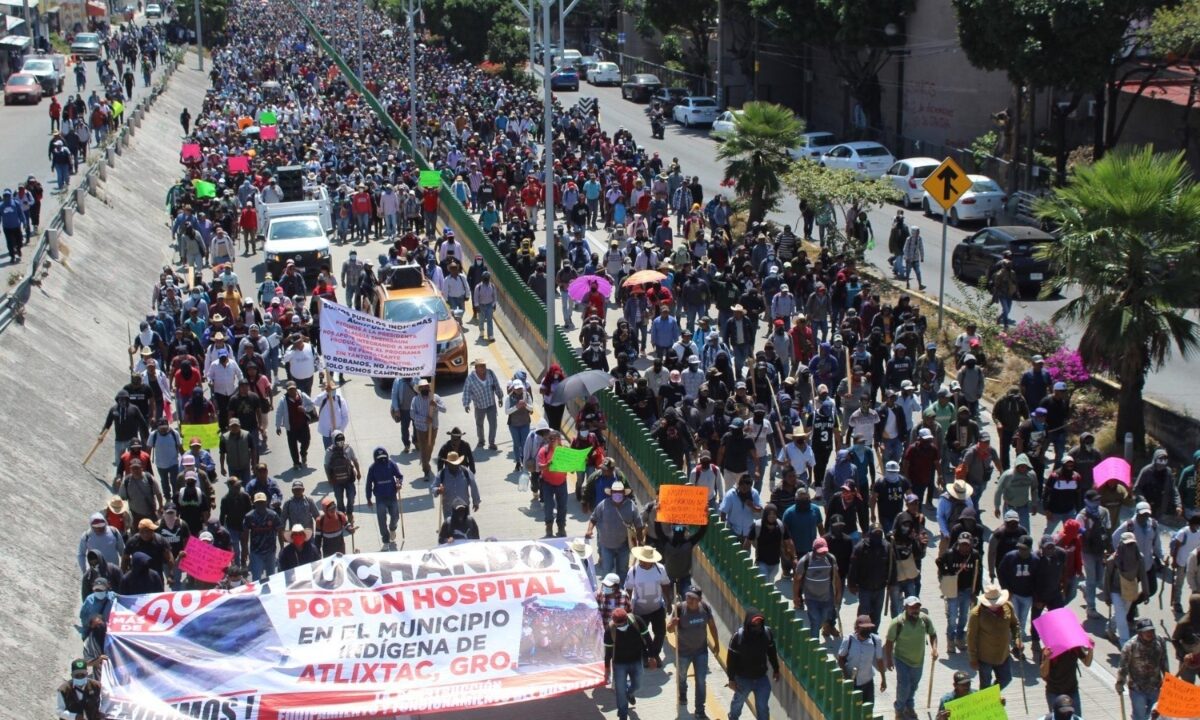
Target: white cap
[[611, 580]]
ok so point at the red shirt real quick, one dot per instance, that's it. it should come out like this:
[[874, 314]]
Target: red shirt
[[362, 203], [548, 476], [429, 200]]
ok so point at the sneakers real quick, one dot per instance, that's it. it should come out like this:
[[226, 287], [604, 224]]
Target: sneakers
[[950, 646], [962, 644], [632, 700]]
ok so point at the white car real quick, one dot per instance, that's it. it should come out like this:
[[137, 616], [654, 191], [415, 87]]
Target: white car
[[604, 73], [864, 158], [568, 57], [724, 123], [695, 110], [153, 10], [984, 201], [908, 174], [813, 145]]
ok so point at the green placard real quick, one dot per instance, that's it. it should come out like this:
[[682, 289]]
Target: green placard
[[980, 705], [204, 189], [267, 118], [209, 435], [430, 178], [569, 459]]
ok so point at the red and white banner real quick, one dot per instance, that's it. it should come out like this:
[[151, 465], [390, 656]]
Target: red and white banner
[[361, 344], [466, 625]]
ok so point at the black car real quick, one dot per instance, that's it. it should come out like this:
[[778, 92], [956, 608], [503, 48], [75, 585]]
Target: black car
[[975, 256], [668, 98], [640, 87]]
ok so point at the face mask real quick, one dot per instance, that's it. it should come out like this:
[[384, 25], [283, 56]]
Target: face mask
[[618, 498], [876, 539], [425, 392], [298, 540], [623, 628], [1143, 520], [79, 682], [99, 595]]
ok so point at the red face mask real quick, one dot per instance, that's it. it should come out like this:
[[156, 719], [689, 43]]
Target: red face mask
[[298, 540]]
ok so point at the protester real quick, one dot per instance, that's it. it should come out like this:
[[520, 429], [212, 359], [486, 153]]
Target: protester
[[751, 648]]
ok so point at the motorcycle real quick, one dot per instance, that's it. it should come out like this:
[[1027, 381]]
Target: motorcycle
[[657, 128]]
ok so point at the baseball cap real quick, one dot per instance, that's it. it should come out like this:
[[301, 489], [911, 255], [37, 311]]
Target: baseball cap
[[1143, 507], [911, 600], [820, 547], [611, 580], [620, 615], [297, 484], [1060, 385], [925, 434], [962, 678], [1011, 515], [260, 497]]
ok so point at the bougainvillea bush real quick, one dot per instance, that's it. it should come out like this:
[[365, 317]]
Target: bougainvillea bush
[[1067, 366], [1041, 338]]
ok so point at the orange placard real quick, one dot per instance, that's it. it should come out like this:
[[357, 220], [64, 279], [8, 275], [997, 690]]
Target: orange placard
[[682, 505], [1178, 698]]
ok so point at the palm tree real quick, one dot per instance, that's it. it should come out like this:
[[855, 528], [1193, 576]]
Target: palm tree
[[756, 153], [1127, 239]]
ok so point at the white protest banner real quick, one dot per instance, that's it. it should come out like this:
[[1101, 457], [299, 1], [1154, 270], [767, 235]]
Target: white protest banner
[[465, 625], [361, 344]]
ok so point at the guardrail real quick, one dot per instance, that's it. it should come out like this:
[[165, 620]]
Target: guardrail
[[12, 302], [814, 686]]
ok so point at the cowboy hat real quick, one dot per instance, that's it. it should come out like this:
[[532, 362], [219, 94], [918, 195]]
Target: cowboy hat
[[959, 490], [645, 553], [582, 549], [453, 458], [993, 596], [298, 528], [116, 505], [617, 486]]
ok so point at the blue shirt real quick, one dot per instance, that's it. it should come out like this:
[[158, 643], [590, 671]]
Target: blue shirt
[[384, 478], [802, 526], [12, 215], [739, 516], [664, 331]]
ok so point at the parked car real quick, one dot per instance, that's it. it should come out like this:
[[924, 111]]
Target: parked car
[[48, 72], [564, 78], [723, 123], [640, 87], [908, 174], [585, 64], [864, 158], [153, 10], [695, 110], [86, 46], [668, 98], [974, 257], [813, 145], [984, 200], [567, 58], [604, 73], [22, 87]]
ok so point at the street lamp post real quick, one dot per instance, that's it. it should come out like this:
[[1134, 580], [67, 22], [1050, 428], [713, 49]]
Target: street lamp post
[[410, 14], [358, 36], [199, 38]]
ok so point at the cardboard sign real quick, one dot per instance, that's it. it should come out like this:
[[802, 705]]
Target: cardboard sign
[[430, 178], [1178, 698], [190, 151], [204, 189], [1060, 631], [683, 505], [979, 705], [238, 164], [267, 118], [268, 132], [209, 435], [205, 562], [569, 459]]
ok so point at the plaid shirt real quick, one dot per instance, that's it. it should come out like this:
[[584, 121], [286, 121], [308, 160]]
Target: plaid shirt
[[608, 603], [482, 392]]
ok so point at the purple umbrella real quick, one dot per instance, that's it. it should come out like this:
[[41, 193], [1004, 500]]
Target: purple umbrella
[[582, 285]]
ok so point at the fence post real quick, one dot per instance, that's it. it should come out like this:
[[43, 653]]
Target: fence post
[[68, 219], [53, 240], [81, 197]]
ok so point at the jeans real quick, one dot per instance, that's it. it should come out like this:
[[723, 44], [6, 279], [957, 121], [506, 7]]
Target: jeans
[[612, 560], [768, 571], [262, 564], [957, 608], [567, 305], [902, 590], [168, 478], [486, 319], [1054, 519], [62, 175], [519, 434], [119, 448], [699, 661], [1093, 571], [490, 414], [457, 302], [1142, 702], [761, 687], [914, 266], [657, 622], [1006, 304], [1022, 605], [870, 602], [820, 328], [626, 679], [1003, 673], [389, 224], [387, 512], [893, 449], [908, 679], [1120, 612], [298, 441], [235, 537], [555, 496], [405, 427], [1058, 438], [344, 494], [819, 612]]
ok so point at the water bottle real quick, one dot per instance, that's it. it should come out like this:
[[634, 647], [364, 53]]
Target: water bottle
[[523, 482]]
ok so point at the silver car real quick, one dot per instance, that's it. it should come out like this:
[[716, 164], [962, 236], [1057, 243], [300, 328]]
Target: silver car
[[86, 46], [867, 160]]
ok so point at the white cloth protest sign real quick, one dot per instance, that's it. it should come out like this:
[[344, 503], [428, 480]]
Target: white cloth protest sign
[[361, 344]]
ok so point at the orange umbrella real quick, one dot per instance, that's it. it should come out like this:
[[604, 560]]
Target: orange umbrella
[[641, 277]]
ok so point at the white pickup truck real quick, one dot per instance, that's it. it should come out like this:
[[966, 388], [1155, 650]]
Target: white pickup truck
[[316, 203]]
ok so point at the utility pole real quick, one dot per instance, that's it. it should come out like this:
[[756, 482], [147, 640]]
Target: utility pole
[[199, 37], [562, 16], [720, 54], [358, 37], [548, 158], [414, 128], [528, 12]]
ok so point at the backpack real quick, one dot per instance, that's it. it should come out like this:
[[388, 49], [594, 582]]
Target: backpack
[[1095, 540], [340, 471]]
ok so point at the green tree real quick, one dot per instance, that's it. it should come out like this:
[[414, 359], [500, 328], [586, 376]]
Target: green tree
[[508, 45], [1174, 34], [693, 19], [756, 154], [468, 25], [841, 188], [1128, 241], [213, 14], [855, 33]]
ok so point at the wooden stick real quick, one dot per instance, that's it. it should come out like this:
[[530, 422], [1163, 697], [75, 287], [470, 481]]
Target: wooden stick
[[97, 445], [929, 695]]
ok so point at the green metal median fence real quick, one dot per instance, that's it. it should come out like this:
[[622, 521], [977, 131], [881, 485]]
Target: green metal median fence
[[828, 693]]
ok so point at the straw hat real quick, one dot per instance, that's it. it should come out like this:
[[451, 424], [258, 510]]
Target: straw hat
[[993, 596], [645, 553], [454, 458], [959, 490], [582, 549], [298, 528], [116, 505]]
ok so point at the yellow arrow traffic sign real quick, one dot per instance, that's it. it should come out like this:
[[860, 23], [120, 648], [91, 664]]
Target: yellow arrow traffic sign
[[947, 184]]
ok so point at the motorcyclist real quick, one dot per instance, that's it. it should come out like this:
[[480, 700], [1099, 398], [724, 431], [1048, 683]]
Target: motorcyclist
[[656, 121]]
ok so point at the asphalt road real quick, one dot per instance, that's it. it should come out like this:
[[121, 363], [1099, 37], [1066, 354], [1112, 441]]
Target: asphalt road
[[25, 137], [697, 155]]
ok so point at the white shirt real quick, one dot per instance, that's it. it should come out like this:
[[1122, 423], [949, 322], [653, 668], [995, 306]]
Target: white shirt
[[456, 286], [710, 478], [325, 416], [302, 363], [646, 587], [225, 377], [801, 459], [1188, 541]]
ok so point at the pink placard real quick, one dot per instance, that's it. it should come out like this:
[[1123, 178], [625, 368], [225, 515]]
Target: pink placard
[[268, 132], [190, 151], [238, 164], [1113, 468], [205, 562], [1060, 631]]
